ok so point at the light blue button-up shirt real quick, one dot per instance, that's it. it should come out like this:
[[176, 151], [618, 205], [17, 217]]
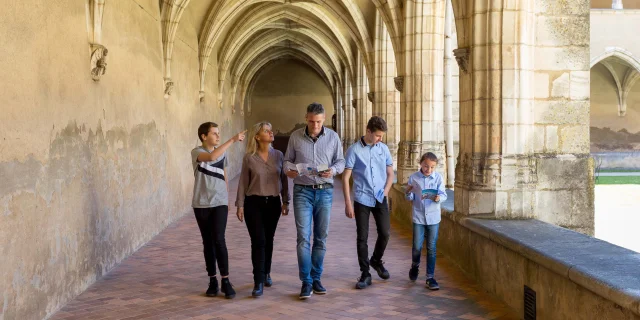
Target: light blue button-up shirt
[[369, 165], [427, 211]]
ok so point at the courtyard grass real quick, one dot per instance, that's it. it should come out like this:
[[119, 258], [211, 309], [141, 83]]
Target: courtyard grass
[[618, 180]]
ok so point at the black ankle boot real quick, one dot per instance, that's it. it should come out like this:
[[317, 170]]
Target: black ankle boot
[[213, 287], [257, 289], [267, 280], [227, 289]]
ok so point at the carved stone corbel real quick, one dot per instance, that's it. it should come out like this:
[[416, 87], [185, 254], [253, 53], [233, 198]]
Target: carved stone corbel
[[98, 61], [168, 87], [371, 96], [354, 103], [399, 82], [201, 95], [462, 58], [220, 103]]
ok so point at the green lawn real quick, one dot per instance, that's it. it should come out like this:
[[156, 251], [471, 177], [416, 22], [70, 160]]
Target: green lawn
[[619, 170], [618, 180]]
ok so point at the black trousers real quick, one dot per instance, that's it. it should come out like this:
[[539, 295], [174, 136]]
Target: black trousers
[[383, 224], [213, 223], [261, 215]]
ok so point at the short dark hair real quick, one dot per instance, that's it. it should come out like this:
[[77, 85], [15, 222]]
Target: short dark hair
[[376, 124], [204, 129], [429, 156], [315, 108]]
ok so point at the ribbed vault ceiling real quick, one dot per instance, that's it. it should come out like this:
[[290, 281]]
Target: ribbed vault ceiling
[[243, 36]]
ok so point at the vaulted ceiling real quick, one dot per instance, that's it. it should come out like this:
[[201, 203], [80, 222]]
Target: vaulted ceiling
[[245, 35]]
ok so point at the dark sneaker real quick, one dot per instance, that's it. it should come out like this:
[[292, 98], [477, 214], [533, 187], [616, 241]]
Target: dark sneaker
[[413, 273], [267, 280], [364, 281], [306, 291], [227, 289], [257, 289], [318, 288], [432, 284], [213, 287], [378, 266]]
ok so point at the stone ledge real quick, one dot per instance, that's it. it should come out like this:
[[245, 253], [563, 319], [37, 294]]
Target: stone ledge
[[606, 270], [615, 11]]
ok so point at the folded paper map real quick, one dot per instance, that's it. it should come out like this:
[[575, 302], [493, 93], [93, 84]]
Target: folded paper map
[[306, 169]]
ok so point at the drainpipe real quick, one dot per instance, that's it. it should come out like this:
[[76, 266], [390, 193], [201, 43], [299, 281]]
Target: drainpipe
[[448, 112]]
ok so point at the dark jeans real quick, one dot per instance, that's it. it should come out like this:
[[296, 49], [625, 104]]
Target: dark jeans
[[261, 215], [213, 223], [381, 215]]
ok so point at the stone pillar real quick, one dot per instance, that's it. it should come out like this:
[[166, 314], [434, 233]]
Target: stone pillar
[[448, 95], [495, 171], [348, 111], [422, 86], [385, 98], [508, 168], [361, 105], [339, 110], [564, 167]]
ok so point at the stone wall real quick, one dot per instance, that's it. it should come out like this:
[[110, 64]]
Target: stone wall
[[574, 276], [561, 115], [282, 93], [91, 170]]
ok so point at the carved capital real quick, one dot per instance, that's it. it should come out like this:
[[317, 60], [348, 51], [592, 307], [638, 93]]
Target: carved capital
[[462, 57], [201, 95], [98, 61], [399, 82], [371, 96], [168, 87], [354, 103], [220, 103]]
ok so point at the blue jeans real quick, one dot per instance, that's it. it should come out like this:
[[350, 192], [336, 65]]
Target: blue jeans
[[311, 206], [420, 233]]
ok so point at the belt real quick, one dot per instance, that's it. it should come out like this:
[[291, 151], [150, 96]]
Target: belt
[[317, 186]]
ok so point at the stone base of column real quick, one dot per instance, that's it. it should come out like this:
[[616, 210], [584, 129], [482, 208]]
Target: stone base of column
[[409, 153], [557, 189]]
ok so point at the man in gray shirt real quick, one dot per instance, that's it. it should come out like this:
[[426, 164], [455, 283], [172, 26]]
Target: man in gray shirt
[[321, 150]]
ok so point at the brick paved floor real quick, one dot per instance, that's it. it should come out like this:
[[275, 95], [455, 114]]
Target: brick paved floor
[[166, 279]]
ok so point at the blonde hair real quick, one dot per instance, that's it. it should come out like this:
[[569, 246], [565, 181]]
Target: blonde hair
[[252, 144]]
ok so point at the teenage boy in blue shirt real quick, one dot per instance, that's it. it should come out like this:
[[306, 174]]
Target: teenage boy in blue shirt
[[370, 162]]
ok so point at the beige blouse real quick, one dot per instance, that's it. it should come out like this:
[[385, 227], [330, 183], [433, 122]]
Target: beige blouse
[[260, 178]]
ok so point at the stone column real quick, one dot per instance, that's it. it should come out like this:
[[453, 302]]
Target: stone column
[[385, 98], [509, 168], [348, 111], [361, 105], [448, 95], [422, 86], [564, 167], [495, 172], [339, 110]]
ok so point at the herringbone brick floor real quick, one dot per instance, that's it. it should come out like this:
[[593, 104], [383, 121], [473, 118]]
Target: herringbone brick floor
[[166, 279]]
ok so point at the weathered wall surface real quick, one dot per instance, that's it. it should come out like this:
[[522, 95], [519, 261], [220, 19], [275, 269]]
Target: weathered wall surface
[[282, 93], [561, 115], [90, 170]]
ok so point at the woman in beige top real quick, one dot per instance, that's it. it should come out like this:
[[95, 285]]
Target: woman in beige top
[[262, 182]]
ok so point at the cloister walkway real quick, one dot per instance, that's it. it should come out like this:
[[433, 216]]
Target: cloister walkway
[[165, 279]]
